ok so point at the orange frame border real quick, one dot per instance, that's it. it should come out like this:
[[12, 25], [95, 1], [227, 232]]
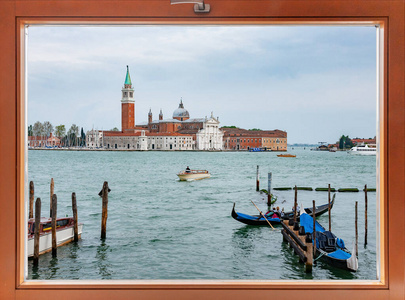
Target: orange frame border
[[388, 14]]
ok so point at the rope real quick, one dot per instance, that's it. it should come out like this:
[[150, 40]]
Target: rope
[[322, 254]]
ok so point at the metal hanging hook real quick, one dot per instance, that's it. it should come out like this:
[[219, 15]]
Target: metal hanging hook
[[199, 5]]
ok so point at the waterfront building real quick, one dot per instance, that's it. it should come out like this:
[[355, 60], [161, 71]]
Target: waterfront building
[[94, 139], [242, 139], [43, 141], [204, 131], [147, 141], [180, 132], [177, 133], [363, 141], [210, 136]]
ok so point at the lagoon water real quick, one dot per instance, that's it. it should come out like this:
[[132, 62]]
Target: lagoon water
[[161, 228]]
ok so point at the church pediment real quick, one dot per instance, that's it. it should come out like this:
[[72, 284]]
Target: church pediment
[[212, 120]]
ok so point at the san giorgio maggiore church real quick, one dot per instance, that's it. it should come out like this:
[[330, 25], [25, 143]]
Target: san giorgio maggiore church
[[178, 133]]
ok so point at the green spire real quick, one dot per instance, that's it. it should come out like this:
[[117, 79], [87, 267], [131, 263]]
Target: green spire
[[128, 78]]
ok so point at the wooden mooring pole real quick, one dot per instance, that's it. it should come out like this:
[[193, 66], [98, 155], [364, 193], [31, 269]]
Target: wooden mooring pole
[[365, 212], [104, 194], [51, 194], [314, 228], [295, 204], [54, 209], [36, 230], [356, 231], [330, 223], [75, 226], [269, 189], [257, 179], [31, 211], [310, 253]]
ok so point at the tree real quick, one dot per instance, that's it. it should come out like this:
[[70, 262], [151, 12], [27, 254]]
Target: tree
[[72, 135], [30, 130], [345, 142], [82, 138], [60, 131], [48, 128], [349, 142], [38, 129], [255, 129], [115, 129]]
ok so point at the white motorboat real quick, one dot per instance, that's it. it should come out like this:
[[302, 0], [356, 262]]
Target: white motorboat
[[363, 150], [64, 233], [193, 175]]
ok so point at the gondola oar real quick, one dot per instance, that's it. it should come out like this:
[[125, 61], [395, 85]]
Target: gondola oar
[[262, 214]]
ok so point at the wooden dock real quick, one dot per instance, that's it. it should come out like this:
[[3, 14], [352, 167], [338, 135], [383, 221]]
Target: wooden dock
[[299, 241]]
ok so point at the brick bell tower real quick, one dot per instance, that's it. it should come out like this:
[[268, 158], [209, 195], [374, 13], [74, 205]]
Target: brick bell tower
[[127, 105]]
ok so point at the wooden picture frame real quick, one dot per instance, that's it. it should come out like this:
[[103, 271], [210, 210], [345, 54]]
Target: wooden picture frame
[[389, 15]]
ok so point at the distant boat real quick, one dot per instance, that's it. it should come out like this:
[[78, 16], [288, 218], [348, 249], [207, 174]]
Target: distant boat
[[363, 150], [193, 175], [64, 233], [256, 149], [286, 155]]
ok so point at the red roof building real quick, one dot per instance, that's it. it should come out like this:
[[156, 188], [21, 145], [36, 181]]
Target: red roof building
[[242, 139]]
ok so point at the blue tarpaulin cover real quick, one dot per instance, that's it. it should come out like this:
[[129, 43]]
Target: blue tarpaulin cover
[[307, 221], [339, 254], [249, 217], [340, 243]]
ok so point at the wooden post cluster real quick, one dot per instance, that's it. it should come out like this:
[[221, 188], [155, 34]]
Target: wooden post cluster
[[104, 194], [31, 210], [36, 230], [54, 210], [365, 212], [257, 179], [297, 239], [269, 189], [75, 225], [51, 194]]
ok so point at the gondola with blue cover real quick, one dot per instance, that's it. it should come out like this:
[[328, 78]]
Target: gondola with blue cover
[[329, 248], [259, 220]]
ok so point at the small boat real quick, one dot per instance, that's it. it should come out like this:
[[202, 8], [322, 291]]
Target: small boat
[[256, 150], [330, 248], [64, 233], [286, 155], [193, 175], [259, 220], [363, 150]]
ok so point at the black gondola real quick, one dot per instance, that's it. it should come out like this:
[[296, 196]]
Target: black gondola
[[329, 248], [259, 220]]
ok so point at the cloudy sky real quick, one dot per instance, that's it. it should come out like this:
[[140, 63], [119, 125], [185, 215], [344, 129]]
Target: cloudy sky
[[316, 83]]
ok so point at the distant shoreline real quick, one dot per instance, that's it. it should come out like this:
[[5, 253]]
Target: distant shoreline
[[137, 150]]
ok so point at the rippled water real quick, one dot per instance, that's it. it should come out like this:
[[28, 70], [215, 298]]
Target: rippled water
[[161, 228]]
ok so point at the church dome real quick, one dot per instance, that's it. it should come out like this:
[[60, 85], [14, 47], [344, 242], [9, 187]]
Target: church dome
[[181, 113]]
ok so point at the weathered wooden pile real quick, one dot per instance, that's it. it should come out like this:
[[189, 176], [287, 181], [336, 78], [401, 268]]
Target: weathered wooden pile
[[53, 214]]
